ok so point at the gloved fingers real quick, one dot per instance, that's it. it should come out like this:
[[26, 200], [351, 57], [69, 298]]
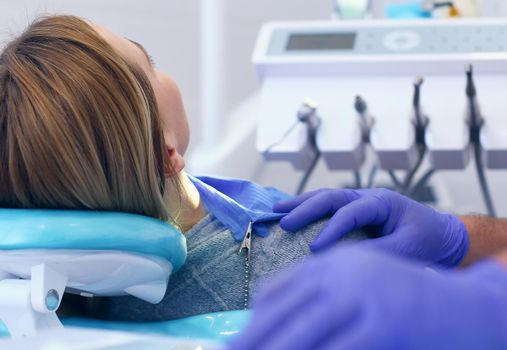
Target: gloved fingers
[[287, 205], [270, 313], [401, 242], [359, 213], [314, 321], [317, 207]]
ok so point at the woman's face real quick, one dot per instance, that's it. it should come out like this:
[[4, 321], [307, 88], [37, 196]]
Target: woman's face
[[170, 104]]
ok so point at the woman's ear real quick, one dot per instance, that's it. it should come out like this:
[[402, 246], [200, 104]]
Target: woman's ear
[[173, 162]]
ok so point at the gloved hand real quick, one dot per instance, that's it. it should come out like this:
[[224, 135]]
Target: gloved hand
[[361, 298], [404, 226]]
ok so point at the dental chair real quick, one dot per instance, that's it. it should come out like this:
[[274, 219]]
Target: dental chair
[[46, 253]]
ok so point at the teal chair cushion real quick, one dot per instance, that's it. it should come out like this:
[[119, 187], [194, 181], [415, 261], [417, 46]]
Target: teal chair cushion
[[91, 230], [218, 326]]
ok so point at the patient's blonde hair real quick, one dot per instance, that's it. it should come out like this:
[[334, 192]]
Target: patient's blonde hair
[[79, 125]]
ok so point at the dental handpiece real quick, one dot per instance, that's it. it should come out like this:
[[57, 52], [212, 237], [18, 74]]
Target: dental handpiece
[[420, 120], [475, 122], [474, 118], [366, 121], [307, 114]]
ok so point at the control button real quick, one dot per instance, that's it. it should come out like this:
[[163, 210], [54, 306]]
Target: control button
[[401, 40]]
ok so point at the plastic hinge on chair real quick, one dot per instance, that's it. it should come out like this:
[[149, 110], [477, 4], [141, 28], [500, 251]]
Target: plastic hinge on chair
[[29, 306]]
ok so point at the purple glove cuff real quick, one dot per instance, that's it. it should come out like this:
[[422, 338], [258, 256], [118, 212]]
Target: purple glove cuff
[[457, 242]]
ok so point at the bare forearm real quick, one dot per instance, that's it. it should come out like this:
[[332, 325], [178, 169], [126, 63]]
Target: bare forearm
[[501, 257], [487, 236]]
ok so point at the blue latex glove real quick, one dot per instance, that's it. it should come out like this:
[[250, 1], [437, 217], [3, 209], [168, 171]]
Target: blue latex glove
[[403, 226], [361, 298]]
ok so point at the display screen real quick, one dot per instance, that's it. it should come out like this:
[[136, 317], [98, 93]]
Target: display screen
[[327, 41]]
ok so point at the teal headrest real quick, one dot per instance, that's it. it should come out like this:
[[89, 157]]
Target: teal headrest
[[93, 230]]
